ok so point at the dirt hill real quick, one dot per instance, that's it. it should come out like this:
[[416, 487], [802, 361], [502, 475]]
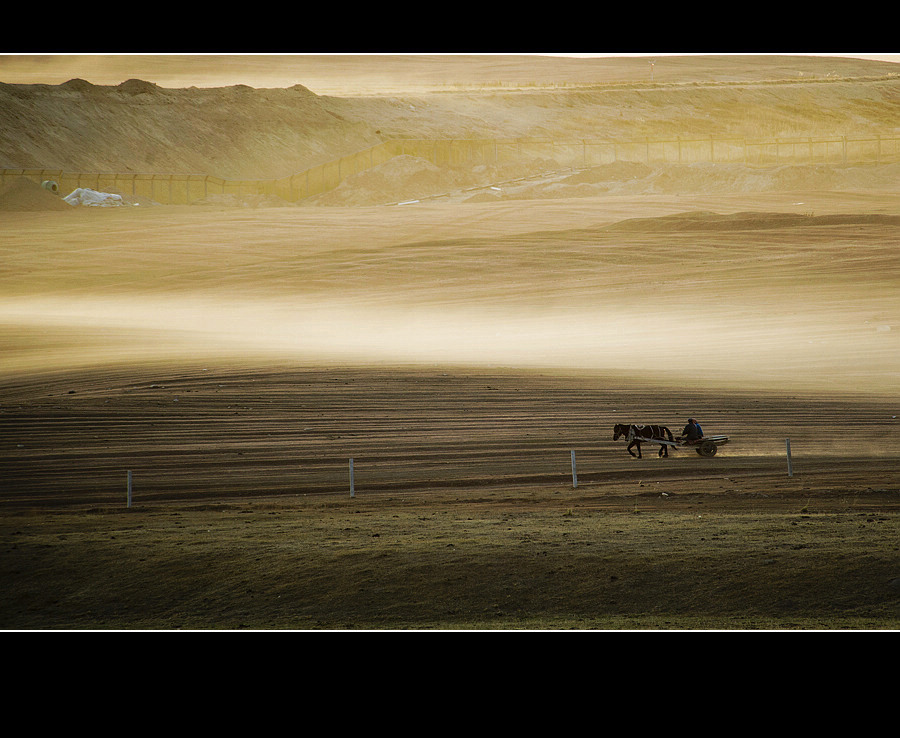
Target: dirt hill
[[137, 126], [25, 195], [244, 132]]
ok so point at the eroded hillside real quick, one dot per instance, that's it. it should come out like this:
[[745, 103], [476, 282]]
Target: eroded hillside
[[242, 132]]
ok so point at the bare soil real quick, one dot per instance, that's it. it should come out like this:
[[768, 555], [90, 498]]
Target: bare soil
[[458, 350], [271, 117], [464, 512]]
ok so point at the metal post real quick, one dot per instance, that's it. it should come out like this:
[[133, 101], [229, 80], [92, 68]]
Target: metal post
[[790, 465], [352, 489], [574, 472], [129, 489]]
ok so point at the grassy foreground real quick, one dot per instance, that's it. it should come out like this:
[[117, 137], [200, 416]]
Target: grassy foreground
[[522, 559]]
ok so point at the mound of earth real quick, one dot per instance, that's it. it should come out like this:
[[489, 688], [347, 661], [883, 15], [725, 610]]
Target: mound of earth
[[702, 220], [235, 132], [26, 195], [148, 125]]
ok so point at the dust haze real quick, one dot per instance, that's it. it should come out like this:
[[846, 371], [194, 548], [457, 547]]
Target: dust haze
[[776, 307], [778, 276], [466, 334], [748, 344]]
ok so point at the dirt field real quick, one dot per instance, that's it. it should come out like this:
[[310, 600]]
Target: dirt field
[[459, 351]]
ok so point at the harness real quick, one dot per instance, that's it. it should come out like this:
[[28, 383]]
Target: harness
[[632, 432]]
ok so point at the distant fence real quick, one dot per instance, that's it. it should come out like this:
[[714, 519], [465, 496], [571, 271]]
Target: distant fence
[[184, 189], [676, 149]]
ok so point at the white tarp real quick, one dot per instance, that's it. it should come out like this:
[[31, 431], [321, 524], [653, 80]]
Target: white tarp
[[84, 196]]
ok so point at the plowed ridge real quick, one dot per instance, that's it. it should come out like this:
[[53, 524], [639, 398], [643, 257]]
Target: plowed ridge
[[207, 435]]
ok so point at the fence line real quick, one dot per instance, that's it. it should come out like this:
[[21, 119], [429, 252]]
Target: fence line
[[183, 189]]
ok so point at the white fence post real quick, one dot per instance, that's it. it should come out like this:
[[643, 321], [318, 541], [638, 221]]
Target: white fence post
[[574, 472], [787, 444], [352, 489]]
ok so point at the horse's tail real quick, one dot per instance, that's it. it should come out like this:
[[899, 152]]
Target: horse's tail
[[668, 433]]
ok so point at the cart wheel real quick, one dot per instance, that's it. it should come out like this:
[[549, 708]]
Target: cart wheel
[[707, 448]]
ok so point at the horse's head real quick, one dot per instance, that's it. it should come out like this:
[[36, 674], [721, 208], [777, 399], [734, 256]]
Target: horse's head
[[619, 430]]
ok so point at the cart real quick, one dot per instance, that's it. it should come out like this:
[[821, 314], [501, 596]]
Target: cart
[[706, 446]]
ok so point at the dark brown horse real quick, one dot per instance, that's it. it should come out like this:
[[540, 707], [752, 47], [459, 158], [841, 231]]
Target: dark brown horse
[[638, 434]]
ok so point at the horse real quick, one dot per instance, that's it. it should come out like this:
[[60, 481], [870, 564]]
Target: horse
[[638, 434]]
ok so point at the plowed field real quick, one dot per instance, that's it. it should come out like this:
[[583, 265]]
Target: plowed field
[[234, 363]]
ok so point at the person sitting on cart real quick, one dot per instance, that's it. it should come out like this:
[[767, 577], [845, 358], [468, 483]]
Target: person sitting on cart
[[692, 432]]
